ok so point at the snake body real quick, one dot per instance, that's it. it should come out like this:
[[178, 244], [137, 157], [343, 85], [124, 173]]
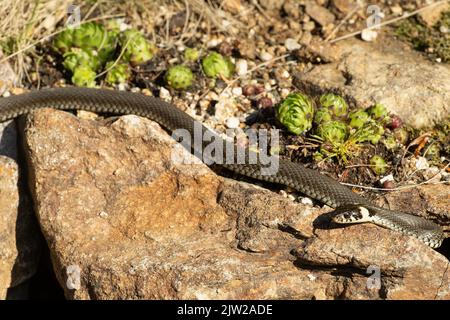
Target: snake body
[[351, 208]]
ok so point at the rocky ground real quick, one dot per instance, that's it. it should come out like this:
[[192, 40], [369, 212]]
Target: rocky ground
[[118, 219]]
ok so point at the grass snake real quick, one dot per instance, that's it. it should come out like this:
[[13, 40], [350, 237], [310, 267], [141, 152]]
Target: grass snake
[[350, 207]]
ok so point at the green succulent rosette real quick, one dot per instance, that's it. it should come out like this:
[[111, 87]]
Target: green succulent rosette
[[334, 132], [84, 76], [378, 165], [214, 64], [358, 119], [138, 48], [296, 113], [336, 104], [179, 77], [120, 73]]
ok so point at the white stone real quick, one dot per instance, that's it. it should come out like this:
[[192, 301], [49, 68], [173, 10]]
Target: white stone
[[291, 44], [232, 123], [265, 56], [422, 163], [164, 94], [237, 91], [307, 201], [389, 177], [369, 35], [241, 67]]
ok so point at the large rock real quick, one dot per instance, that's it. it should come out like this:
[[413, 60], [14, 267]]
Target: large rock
[[388, 72], [123, 220], [20, 242]]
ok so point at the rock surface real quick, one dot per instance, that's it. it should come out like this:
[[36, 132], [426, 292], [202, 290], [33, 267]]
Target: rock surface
[[388, 72], [123, 220], [20, 242]]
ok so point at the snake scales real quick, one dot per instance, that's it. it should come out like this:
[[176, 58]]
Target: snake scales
[[351, 208]]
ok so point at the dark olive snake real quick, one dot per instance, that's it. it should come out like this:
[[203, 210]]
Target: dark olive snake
[[351, 208]]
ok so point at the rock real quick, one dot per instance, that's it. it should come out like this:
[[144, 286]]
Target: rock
[[20, 240], [386, 72], [233, 6], [344, 6], [124, 220], [271, 5], [369, 35], [406, 270], [265, 56], [315, 49], [241, 67], [432, 15], [430, 201], [291, 44], [232, 123], [319, 14]]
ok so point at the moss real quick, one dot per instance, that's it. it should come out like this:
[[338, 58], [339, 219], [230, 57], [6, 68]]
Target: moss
[[430, 40]]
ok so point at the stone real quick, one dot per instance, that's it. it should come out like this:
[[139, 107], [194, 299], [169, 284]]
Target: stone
[[432, 15], [271, 5], [291, 44], [20, 241], [124, 218], [319, 14], [344, 6], [369, 35], [387, 72]]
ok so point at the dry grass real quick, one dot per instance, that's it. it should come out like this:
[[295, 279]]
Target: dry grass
[[23, 24]]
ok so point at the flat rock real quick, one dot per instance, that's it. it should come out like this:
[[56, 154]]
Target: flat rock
[[388, 72], [124, 220]]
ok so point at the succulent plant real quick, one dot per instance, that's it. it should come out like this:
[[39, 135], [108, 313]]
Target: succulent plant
[[336, 104], [179, 77], [296, 113], [358, 118], [90, 35], [78, 57], [378, 165], [191, 54], [378, 111], [214, 64], [322, 115], [84, 76], [120, 73], [139, 49], [390, 143], [64, 41], [333, 131]]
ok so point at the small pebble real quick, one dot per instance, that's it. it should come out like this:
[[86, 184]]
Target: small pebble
[[422, 163], [307, 201], [265, 56], [291, 44], [389, 177], [389, 184], [232, 123], [444, 29], [237, 91], [103, 214], [241, 67], [164, 94], [369, 35]]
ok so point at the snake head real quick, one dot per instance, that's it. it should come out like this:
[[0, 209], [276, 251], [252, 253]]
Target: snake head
[[352, 213]]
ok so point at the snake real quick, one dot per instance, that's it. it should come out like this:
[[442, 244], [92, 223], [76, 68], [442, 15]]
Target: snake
[[349, 207]]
